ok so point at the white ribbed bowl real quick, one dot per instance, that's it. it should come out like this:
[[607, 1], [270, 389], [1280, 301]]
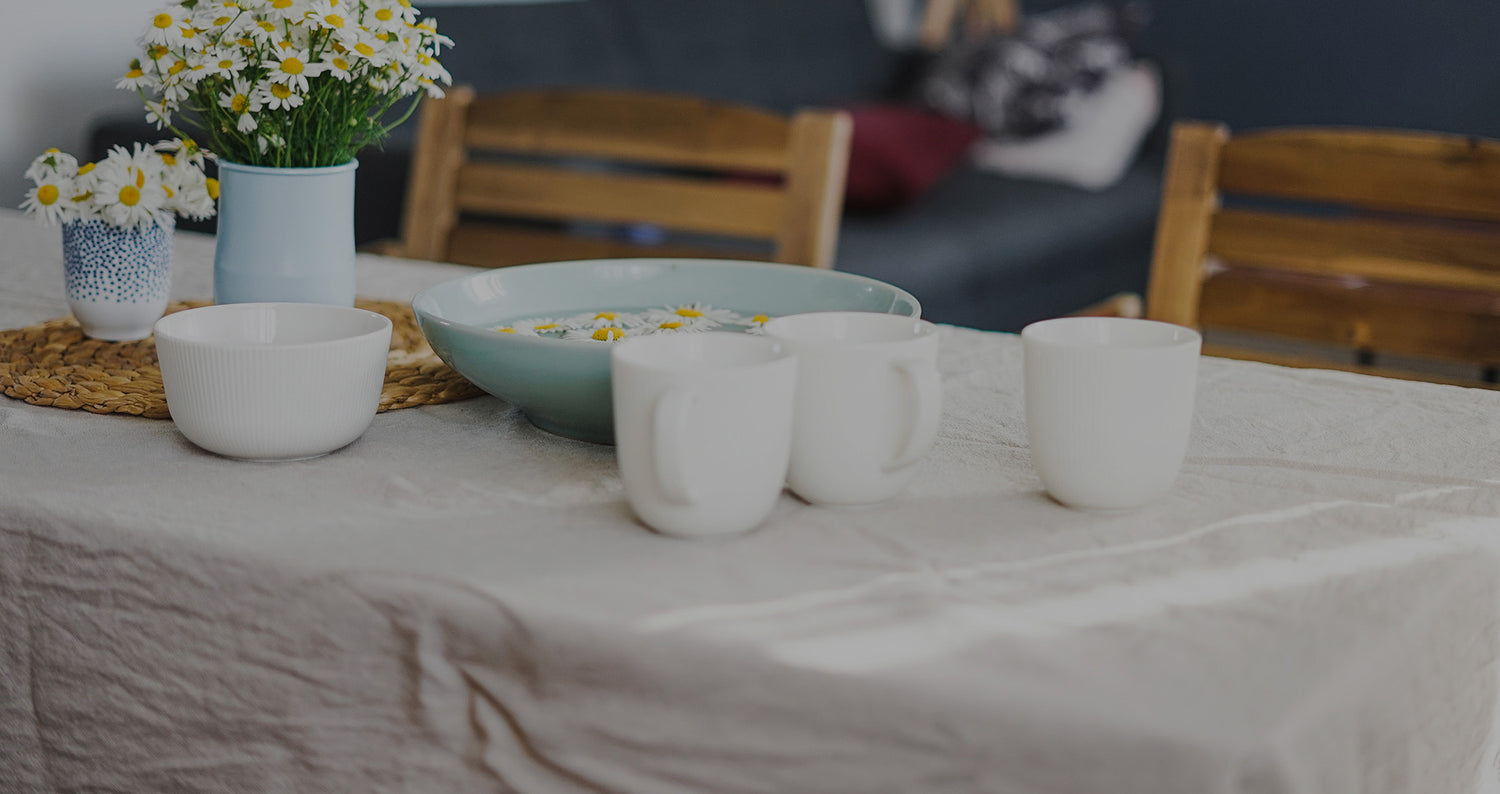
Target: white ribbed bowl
[[273, 381]]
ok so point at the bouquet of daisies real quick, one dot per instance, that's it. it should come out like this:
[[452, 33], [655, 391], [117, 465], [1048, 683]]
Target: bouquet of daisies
[[128, 189], [287, 83]]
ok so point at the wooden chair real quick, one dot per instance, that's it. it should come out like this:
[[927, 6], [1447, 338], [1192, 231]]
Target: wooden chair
[[1369, 244], [548, 175]]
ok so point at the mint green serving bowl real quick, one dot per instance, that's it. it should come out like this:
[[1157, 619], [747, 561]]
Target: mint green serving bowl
[[563, 386]]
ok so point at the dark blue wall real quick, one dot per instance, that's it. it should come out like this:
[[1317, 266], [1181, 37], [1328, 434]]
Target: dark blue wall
[[1422, 64]]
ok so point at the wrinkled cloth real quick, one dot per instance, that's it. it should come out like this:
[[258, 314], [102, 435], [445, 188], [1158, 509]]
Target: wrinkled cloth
[[460, 602]]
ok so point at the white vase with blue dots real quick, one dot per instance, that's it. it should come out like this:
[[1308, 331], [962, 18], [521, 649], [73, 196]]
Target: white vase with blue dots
[[118, 279]]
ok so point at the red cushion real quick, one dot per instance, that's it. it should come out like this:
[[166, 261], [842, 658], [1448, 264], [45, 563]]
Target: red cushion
[[898, 152]]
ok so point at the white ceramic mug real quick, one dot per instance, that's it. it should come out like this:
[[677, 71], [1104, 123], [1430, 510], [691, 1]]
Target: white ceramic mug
[[869, 399], [1109, 404], [703, 427]]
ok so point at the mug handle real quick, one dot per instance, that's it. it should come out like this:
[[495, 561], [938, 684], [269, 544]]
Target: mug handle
[[668, 432], [924, 379]]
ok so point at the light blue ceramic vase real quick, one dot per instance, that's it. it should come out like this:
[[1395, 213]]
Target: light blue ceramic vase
[[285, 235]]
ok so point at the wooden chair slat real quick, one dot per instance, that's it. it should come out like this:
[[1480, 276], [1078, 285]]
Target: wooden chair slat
[[1372, 318], [1380, 250], [631, 126], [746, 210], [1445, 176]]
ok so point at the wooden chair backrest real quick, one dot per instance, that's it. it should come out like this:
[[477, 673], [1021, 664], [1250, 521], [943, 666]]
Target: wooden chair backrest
[[616, 158], [1371, 241]]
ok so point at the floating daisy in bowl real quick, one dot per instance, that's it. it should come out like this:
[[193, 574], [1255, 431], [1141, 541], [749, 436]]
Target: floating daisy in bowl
[[612, 325]]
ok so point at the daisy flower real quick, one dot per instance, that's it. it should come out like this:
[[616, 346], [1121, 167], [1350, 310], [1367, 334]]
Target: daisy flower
[[388, 17], [698, 316], [277, 96], [426, 31], [336, 62], [370, 48], [331, 18], [670, 326], [240, 99], [49, 200], [183, 150], [52, 163], [756, 324], [165, 25], [605, 334], [158, 113], [537, 326], [288, 10], [124, 196], [137, 78], [603, 319], [216, 18], [224, 62], [294, 67]]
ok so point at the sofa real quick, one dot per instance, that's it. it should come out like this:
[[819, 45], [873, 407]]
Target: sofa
[[975, 248]]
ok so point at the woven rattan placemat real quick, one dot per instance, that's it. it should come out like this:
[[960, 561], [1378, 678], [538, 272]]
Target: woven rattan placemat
[[54, 364]]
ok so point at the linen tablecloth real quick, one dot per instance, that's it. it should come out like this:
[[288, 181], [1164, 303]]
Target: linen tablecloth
[[462, 602]]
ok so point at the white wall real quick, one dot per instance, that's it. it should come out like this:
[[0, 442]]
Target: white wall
[[58, 69]]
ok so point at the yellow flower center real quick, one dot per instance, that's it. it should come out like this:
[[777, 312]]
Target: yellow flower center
[[220, 22], [364, 49], [245, 41], [52, 150], [292, 66], [130, 196], [85, 168], [759, 318], [341, 64], [334, 21], [140, 178], [688, 312], [226, 64], [609, 334], [169, 191], [213, 188], [281, 3], [169, 158], [606, 316], [384, 15], [267, 26], [135, 74], [177, 67], [670, 325], [545, 327], [162, 21], [240, 103], [47, 194], [280, 91], [506, 330], [157, 52], [83, 196]]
